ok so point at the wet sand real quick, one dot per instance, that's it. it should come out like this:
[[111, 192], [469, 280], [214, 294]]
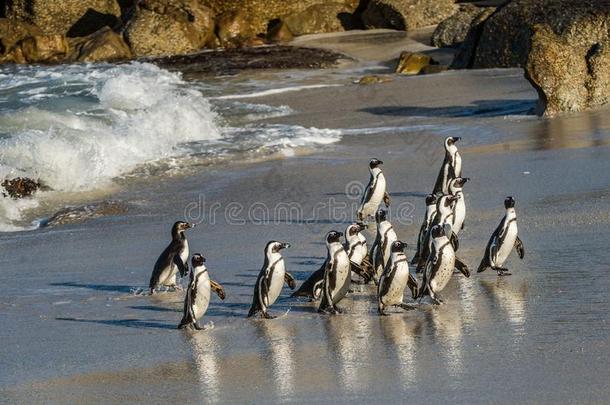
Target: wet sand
[[74, 331]]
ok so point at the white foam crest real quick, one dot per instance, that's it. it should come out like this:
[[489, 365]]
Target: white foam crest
[[270, 92]]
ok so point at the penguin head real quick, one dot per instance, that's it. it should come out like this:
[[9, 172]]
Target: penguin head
[[275, 246], [333, 236], [431, 199], [180, 226], [437, 231], [197, 260], [398, 246], [450, 141], [457, 183], [354, 229], [381, 215], [509, 202], [375, 163], [447, 200]]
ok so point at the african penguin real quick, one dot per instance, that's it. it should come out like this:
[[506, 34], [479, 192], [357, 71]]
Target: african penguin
[[380, 252], [172, 260], [459, 206], [374, 193], [270, 279], [337, 275], [395, 278], [431, 200], [451, 167], [357, 251], [440, 264], [502, 241], [443, 216], [197, 296]]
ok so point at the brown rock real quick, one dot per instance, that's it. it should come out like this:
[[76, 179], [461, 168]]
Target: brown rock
[[60, 16], [465, 55], [327, 17], [41, 49], [171, 27], [406, 14], [261, 12], [571, 69], [234, 28], [20, 187], [12, 32], [279, 32], [454, 29], [431, 69], [410, 63], [104, 45], [374, 79]]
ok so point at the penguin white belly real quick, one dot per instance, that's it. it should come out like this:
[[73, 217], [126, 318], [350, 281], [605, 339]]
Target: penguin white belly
[[459, 215], [390, 238], [168, 275], [398, 284], [359, 253], [370, 207], [343, 278], [458, 165], [508, 245], [443, 274], [184, 252], [276, 282], [202, 298]]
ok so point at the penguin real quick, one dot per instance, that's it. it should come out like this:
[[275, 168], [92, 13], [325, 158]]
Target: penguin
[[197, 296], [380, 252], [394, 279], [440, 264], [172, 260], [374, 193], [357, 252], [431, 200], [502, 241], [443, 216], [451, 167], [459, 206], [337, 277], [270, 280]]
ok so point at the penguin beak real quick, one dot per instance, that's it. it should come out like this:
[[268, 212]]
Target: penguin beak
[[456, 138], [285, 245], [203, 259], [190, 225]]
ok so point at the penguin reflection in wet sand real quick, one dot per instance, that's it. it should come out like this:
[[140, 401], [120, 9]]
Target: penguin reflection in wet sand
[[374, 193], [451, 167], [270, 280], [172, 260], [198, 294], [502, 241], [337, 275], [440, 264], [395, 278], [357, 251], [431, 200]]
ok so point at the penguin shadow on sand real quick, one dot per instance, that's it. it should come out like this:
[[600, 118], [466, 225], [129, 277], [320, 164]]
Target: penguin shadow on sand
[[128, 323], [127, 289]]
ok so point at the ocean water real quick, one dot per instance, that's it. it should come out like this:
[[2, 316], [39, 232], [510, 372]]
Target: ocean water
[[79, 128]]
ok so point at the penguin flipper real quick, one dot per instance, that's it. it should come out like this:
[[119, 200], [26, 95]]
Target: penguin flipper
[[367, 276], [218, 289], [307, 288], [462, 267], [289, 280], [455, 242], [412, 284], [387, 199], [520, 248]]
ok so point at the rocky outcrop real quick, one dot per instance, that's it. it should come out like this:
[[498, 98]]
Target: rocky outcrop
[[234, 29], [104, 45], [20, 187], [39, 49], [327, 17], [571, 69], [170, 27], [453, 30], [261, 12], [12, 32], [406, 14], [279, 32], [465, 56], [60, 16]]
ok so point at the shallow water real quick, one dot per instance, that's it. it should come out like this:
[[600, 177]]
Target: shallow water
[[77, 329]]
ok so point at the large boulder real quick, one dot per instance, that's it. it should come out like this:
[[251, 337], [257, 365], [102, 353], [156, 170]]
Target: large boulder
[[170, 27], [262, 12], [61, 16], [104, 45], [327, 17], [406, 14], [465, 56], [39, 49], [234, 28], [11, 32], [570, 69], [453, 30]]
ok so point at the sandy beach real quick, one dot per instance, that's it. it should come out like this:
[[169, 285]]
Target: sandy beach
[[77, 330]]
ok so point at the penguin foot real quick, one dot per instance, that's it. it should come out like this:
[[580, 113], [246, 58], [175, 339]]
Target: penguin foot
[[382, 312], [503, 271], [327, 311], [437, 300], [267, 316], [197, 326], [406, 307], [339, 310]]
